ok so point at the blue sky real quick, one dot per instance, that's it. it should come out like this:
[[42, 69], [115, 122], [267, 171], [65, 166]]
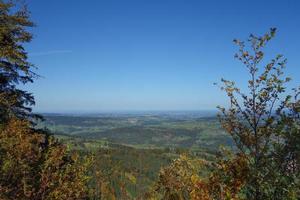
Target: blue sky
[[109, 55]]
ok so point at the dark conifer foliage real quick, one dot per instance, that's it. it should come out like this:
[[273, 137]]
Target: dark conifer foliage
[[33, 164], [14, 66]]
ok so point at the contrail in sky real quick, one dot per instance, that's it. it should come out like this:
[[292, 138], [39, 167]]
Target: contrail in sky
[[47, 53]]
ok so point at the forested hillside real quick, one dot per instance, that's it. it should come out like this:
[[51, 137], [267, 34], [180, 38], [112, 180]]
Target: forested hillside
[[131, 150], [143, 131]]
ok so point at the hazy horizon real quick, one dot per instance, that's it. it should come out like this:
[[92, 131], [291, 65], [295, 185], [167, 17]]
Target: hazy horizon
[[209, 112]]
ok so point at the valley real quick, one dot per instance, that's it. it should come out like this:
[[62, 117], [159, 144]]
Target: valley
[[130, 149]]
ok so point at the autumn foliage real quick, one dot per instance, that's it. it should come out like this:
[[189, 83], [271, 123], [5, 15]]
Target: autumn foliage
[[263, 121], [35, 166]]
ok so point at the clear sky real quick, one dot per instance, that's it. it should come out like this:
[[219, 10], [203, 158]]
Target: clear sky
[[109, 55]]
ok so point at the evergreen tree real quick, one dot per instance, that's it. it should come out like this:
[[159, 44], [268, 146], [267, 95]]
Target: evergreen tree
[[33, 164], [14, 66]]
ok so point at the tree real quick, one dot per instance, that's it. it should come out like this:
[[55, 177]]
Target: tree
[[34, 165], [197, 179], [264, 123], [177, 181], [265, 126], [14, 66]]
